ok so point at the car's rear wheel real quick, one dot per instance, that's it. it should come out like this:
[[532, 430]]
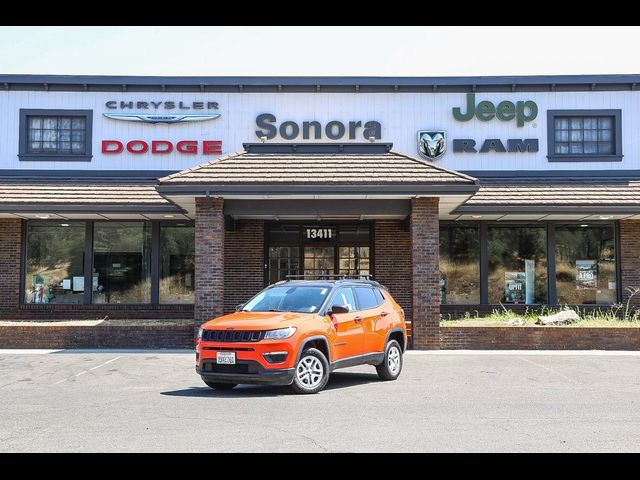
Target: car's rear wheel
[[391, 367], [220, 385], [311, 373]]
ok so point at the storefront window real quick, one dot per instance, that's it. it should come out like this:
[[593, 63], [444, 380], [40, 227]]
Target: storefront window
[[517, 264], [121, 262], [459, 265], [177, 264], [585, 264], [54, 270]]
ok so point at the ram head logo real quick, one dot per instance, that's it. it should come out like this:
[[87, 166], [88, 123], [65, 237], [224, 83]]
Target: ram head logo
[[431, 143]]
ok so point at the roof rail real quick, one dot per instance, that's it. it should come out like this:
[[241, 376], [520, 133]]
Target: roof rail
[[329, 276]]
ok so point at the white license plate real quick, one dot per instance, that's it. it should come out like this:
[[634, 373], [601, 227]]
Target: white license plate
[[227, 358]]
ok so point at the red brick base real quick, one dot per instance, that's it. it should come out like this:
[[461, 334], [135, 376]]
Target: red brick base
[[539, 338], [108, 336]]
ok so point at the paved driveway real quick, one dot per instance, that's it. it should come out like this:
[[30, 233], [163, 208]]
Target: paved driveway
[[117, 401]]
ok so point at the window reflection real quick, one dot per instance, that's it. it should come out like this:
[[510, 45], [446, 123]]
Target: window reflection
[[177, 264], [517, 264], [585, 264], [459, 265], [54, 270], [122, 262]]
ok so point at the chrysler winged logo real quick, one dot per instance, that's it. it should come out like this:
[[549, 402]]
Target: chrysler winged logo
[[431, 143], [161, 118]]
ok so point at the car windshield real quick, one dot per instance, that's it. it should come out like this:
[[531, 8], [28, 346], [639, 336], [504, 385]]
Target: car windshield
[[288, 298]]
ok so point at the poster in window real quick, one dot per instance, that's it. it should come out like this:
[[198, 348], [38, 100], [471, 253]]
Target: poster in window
[[530, 281], [514, 287], [586, 274]]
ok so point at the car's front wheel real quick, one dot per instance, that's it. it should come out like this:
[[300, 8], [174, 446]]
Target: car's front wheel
[[220, 385], [311, 373], [391, 367]]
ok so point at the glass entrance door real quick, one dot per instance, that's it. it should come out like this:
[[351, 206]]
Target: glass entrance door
[[317, 249], [319, 261]]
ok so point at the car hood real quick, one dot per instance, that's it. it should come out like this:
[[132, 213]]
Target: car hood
[[258, 320]]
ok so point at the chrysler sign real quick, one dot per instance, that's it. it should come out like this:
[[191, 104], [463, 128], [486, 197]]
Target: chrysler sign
[[162, 118], [166, 116]]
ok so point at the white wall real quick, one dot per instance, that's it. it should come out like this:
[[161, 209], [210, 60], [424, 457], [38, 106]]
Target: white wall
[[401, 115]]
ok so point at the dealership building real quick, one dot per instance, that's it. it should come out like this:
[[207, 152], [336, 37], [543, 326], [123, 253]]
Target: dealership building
[[177, 198]]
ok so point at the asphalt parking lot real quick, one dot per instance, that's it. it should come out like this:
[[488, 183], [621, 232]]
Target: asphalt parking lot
[[154, 401]]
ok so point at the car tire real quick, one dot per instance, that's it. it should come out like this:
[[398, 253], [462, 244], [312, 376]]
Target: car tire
[[220, 385], [311, 373], [391, 367]]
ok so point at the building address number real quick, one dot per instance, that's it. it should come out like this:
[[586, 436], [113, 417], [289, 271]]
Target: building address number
[[319, 233]]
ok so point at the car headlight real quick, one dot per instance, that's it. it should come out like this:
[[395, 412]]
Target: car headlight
[[279, 334], [200, 330]]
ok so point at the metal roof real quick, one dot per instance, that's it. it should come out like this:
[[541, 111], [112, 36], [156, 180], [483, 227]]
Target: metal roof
[[318, 83]]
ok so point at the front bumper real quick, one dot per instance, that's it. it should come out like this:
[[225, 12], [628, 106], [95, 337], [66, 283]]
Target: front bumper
[[245, 371]]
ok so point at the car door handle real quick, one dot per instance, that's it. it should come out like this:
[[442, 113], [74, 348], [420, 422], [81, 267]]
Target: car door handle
[[357, 319], [384, 314]]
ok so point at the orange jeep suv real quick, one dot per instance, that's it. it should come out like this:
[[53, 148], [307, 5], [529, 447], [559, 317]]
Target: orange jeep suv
[[296, 332]]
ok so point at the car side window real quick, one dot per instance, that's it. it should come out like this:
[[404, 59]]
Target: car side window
[[379, 296], [366, 298], [344, 298]]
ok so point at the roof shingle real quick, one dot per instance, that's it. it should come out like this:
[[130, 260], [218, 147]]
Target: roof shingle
[[101, 194], [316, 168], [546, 192]]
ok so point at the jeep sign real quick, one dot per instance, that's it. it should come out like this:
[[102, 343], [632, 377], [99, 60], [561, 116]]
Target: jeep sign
[[504, 111]]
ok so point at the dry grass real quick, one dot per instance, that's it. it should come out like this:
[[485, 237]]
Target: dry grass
[[614, 316]]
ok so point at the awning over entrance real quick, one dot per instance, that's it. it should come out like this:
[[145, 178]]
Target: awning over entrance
[[553, 199], [289, 172], [69, 198]]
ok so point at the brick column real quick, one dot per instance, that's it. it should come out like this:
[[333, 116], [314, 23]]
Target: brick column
[[630, 258], [425, 241], [10, 258], [209, 291]]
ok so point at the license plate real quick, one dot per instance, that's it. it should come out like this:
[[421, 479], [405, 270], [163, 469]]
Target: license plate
[[227, 358]]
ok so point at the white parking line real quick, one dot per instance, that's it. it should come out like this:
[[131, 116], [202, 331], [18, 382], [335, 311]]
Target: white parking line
[[87, 371], [544, 353], [545, 368]]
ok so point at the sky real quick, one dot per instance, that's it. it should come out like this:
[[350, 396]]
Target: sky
[[366, 51]]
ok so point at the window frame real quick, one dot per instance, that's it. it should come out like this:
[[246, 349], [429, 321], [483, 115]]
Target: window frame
[[23, 150], [89, 252], [584, 157], [550, 225]]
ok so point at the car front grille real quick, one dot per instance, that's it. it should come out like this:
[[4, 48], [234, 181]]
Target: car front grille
[[232, 335], [248, 368]]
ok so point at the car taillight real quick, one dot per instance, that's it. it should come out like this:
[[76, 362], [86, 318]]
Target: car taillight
[[402, 312]]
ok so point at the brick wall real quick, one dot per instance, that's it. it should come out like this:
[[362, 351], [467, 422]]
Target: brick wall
[[243, 262], [209, 291], [95, 312], [630, 257], [539, 338], [393, 267], [10, 255], [108, 336], [425, 245]]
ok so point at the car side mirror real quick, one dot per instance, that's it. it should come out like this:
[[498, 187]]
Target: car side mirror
[[239, 307], [338, 309]]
